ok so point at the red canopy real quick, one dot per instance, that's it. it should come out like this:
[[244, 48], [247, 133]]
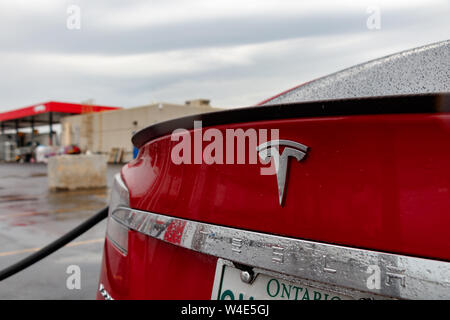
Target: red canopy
[[40, 114]]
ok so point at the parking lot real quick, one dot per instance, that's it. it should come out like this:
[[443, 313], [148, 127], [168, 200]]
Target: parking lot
[[31, 217]]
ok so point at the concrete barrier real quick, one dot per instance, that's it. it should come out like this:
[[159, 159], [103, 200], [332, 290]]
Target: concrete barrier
[[70, 172]]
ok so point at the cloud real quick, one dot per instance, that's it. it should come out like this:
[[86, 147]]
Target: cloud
[[234, 52]]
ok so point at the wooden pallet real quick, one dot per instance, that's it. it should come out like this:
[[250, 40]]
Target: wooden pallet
[[115, 155]]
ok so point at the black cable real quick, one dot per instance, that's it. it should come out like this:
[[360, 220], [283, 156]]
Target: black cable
[[55, 245]]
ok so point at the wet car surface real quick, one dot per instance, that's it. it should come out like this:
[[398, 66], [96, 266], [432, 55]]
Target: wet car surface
[[31, 217]]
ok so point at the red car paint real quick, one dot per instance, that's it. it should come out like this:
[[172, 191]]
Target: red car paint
[[367, 182], [154, 269]]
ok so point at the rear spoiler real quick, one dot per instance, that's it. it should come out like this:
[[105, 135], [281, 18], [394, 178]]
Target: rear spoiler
[[399, 104]]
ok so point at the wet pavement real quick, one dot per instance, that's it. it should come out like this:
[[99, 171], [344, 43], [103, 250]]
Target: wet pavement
[[31, 217]]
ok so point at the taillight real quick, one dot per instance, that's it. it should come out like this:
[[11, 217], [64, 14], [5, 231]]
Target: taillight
[[116, 232]]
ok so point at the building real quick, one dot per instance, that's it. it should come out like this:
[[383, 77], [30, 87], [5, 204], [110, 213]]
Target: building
[[111, 131]]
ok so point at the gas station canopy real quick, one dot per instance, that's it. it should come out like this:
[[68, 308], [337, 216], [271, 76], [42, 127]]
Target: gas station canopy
[[47, 113]]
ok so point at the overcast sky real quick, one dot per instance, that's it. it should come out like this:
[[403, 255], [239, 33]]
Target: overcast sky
[[236, 53]]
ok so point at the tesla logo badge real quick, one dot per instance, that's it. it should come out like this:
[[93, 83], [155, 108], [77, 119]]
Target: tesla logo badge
[[270, 149]]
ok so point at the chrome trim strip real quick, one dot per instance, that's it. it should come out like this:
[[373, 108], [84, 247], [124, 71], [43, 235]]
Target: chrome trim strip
[[104, 293], [390, 275]]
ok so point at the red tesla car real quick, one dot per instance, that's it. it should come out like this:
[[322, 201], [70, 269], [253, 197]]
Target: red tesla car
[[336, 189]]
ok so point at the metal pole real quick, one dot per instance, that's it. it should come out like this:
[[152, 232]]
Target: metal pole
[[32, 130], [51, 128], [17, 132]]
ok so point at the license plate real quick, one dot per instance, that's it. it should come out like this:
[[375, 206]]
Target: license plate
[[229, 286]]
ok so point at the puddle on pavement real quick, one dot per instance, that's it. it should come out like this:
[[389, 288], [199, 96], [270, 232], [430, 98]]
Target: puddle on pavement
[[25, 198], [17, 176], [18, 210], [15, 197], [38, 174]]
